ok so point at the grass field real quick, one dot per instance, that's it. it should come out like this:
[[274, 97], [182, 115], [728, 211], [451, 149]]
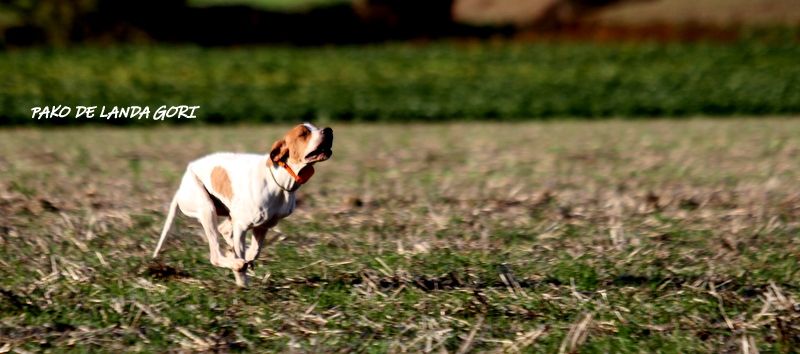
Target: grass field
[[657, 236], [394, 82]]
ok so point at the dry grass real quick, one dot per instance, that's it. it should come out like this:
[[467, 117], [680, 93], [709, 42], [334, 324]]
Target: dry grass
[[670, 236]]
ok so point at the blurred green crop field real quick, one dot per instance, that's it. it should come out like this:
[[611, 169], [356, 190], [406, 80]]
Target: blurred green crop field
[[441, 80], [608, 237]]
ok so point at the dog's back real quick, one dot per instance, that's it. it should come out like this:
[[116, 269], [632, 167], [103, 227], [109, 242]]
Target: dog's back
[[226, 175]]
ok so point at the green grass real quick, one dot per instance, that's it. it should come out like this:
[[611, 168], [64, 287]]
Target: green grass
[[418, 82], [624, 237]]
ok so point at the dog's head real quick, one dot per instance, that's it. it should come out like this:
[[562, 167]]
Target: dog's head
[[302, 147]]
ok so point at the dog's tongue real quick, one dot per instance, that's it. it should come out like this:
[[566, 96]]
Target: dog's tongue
[[305, 174]]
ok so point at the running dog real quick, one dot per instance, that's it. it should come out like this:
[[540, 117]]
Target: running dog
[[232, 193]]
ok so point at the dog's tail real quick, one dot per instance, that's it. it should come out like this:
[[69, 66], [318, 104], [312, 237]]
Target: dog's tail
[[167, 224]]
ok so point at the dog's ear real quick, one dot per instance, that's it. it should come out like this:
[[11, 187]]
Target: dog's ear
[[279, 151]]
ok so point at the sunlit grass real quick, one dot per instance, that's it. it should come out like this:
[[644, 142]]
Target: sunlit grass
[[662, 236]]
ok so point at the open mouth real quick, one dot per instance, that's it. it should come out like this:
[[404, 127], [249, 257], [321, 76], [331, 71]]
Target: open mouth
[[323, 150], [320, 154]]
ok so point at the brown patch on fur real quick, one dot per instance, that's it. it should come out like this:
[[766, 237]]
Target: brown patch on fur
[[292, 146], [221, 182], [279, 151]]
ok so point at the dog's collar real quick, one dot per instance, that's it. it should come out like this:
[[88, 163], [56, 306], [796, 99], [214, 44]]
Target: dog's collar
[[297, 180]]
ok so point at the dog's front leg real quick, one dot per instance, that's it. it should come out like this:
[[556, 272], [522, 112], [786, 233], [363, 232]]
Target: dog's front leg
[[239, 254], [256, 243]]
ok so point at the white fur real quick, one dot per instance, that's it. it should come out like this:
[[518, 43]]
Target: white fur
[[258, 203]]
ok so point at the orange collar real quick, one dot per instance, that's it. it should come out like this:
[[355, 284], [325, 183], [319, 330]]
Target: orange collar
[[291, 172], [302, 178]]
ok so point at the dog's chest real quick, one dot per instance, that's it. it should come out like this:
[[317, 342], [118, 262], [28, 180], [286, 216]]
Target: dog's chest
[[273, 209]]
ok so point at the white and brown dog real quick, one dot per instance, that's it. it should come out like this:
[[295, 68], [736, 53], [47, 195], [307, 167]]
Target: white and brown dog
[[249, 192]]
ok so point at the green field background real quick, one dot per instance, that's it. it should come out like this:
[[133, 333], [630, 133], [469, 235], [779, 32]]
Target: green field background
[[391, 82]]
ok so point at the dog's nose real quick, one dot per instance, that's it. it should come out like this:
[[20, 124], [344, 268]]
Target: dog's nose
[[327, 136]]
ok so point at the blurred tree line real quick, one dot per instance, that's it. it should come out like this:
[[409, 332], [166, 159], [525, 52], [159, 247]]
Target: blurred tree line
[[60, 22]]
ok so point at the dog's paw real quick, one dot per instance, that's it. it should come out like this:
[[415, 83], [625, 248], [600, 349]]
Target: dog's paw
[[237, 264], [241, 278]]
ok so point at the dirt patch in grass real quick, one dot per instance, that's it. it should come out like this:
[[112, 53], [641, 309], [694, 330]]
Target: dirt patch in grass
[[160, 270]]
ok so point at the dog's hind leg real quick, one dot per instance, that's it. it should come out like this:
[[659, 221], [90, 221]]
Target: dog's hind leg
[[194, 201], [225, 229], [239, 252], [208, 221]]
